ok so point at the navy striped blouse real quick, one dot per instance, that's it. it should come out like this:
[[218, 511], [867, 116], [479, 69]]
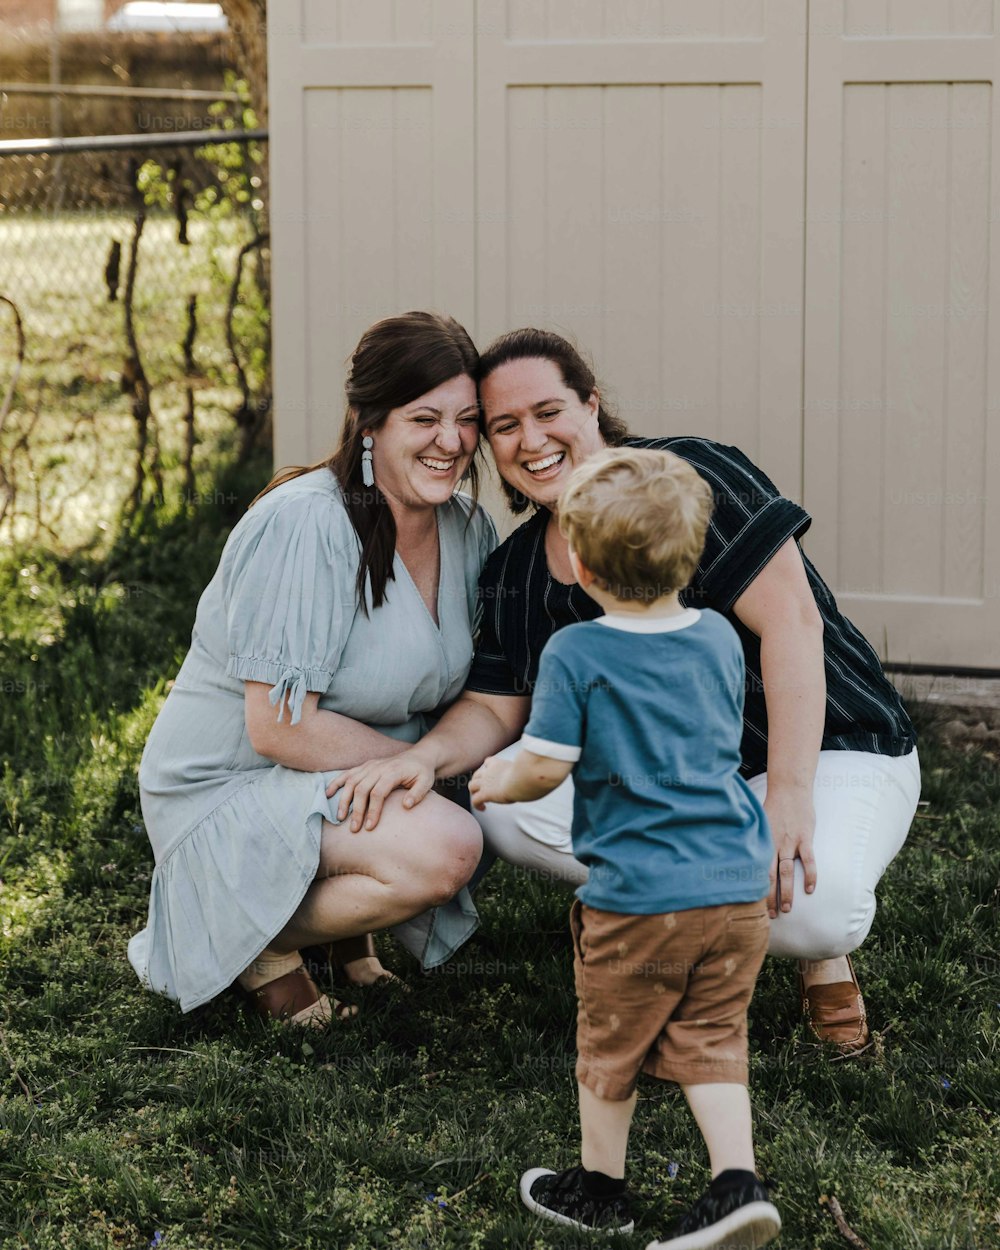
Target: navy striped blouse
[[523, 605]]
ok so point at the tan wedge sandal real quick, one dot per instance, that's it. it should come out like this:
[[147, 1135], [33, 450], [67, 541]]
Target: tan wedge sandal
[[294, 999]]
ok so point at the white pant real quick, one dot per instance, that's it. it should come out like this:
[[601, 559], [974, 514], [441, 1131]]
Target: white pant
[[864, 806]]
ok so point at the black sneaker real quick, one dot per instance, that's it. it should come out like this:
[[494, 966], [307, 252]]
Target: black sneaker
[[561, 1196], [739, 1217]]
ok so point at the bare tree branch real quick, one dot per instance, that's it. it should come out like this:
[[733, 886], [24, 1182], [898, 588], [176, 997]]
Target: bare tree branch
[[8, 398], [189, 427], [8, 486], [248, 416], [134, 381]]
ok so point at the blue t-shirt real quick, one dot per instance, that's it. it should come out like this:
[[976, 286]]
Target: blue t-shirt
[[651, 713]]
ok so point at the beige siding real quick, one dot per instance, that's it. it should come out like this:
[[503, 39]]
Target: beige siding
[[376, 22], [372, 206], [640, 184], [638, 175], [370, 248], [900, 426], [899, 18], [634, 20]]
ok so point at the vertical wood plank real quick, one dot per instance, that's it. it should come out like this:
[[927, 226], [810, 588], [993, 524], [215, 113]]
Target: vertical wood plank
[[863, 19], [501, 133], [782, 205], [412, 21], [637, 21], [964, 417], [692, 296], [526, 19], [972, 17], [920, 17], [584, 20], [364, 274], [821, 460], [744, 19], [414, 284], [366, 21], [630, 195], [522, 296], [453, 160], [322, 293], [692, 19], [988, 621], [320, 23], [287, 160], [744, 308], [918, 330], [857, 409], [574, 244]]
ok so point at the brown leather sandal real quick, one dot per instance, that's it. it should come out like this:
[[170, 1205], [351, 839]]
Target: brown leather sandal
[[836, 1013], [288, 996]]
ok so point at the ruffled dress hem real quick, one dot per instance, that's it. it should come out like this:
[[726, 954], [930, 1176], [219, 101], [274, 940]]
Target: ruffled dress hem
[[208, 888]]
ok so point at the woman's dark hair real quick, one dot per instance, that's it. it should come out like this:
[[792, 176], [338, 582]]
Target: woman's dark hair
[[396, 361], [530, 344]]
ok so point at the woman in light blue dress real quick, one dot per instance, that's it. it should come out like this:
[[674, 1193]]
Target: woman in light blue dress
[[337, 626]]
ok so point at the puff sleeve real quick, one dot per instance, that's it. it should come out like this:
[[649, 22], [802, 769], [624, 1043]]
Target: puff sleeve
[[288, 592]]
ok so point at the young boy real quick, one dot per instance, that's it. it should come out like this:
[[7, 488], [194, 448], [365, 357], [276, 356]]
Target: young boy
[[645, 706]]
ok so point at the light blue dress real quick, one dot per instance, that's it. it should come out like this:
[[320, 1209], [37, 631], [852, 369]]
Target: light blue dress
[[236, 837]]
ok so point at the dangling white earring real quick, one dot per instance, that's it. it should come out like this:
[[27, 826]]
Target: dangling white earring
[[367, 476]]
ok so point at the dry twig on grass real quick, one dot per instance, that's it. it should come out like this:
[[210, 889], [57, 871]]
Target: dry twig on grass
[[845, 1230]]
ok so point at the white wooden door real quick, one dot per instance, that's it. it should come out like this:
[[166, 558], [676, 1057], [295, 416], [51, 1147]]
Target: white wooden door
[[902, 457], [372, 200], [640, 185]]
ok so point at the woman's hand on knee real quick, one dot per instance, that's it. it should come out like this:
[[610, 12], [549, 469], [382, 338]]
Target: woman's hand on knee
[[366, 787], [793, 823]]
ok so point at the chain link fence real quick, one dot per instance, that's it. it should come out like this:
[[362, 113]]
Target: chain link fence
[[134, 323]]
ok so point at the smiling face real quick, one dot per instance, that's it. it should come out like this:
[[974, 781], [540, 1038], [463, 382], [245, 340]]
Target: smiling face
[[538, 427], [422, 449]]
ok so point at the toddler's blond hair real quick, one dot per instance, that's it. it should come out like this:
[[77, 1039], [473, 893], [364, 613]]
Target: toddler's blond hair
[[637, 519]]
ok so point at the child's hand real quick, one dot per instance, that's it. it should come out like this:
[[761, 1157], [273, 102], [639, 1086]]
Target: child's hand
[[488, 783]]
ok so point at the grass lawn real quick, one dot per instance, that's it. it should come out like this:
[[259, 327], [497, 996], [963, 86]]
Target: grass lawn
[[126, 1124]]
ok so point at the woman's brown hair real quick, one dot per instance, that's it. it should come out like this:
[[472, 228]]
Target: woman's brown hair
[[531, 344], [396, 361]]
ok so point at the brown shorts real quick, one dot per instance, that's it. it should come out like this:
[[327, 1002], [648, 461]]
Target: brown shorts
[[665, 994]]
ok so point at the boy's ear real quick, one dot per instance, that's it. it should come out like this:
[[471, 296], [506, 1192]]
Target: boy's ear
[[580, 571]]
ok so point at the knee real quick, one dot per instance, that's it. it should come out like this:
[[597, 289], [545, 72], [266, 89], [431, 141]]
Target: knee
[[821, 933], [452, 857], [860, 925]]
